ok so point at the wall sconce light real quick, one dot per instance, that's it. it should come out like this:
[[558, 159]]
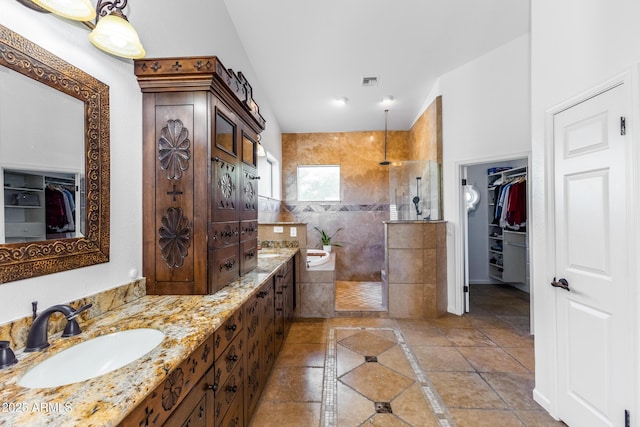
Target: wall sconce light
[[111, 31], [76, 10], [261, 151]]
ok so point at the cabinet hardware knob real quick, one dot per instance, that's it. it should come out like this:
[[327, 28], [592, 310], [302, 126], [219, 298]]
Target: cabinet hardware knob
[[232, 327], [233, 357], [232, 389], [213, 386]]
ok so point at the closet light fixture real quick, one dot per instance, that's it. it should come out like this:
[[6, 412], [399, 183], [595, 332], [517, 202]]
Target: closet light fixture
[[385, 162], [111, 32]]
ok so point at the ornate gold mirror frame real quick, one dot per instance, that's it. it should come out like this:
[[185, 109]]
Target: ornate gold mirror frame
[[31, 259]]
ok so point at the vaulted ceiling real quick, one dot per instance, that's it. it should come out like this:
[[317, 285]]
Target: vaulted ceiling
[[308, 53], [311, 52]]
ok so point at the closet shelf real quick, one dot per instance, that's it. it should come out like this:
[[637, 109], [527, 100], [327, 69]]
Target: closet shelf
[[507, 263]]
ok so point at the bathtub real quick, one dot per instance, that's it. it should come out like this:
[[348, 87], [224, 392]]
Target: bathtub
[[317, 257]]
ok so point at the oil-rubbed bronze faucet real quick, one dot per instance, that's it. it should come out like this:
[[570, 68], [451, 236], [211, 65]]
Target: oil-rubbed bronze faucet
[[38, 340]]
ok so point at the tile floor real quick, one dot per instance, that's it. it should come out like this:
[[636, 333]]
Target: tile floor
[[358, 296], [471, 370]]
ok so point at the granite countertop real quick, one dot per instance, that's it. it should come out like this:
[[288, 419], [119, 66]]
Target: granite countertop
[[104, 401]]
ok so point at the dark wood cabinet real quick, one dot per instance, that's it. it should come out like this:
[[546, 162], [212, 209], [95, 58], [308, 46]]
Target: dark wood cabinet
[[229, 368], [186, 394], [258, 312], [200, 133], [284, 302]]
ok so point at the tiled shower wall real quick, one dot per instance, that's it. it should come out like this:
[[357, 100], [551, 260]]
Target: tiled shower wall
[[364, 203]]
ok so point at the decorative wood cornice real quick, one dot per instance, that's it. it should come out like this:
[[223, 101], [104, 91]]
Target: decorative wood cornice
[[189, 73]]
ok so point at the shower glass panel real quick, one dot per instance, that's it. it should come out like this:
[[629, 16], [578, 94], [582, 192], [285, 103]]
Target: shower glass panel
[[414, 187]]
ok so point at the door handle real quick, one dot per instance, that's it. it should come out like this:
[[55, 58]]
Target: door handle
[[562, 283]]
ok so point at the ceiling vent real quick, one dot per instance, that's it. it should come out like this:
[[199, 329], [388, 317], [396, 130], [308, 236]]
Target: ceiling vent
[[369, 81]]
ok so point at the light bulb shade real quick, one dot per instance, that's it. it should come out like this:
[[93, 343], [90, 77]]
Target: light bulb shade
[[77, 10], [117, 36]]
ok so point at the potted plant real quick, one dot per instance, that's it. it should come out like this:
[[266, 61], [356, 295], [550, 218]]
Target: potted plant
[[326, 239]]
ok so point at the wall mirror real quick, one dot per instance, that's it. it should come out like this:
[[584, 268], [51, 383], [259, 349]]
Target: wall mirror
[[54, 160]]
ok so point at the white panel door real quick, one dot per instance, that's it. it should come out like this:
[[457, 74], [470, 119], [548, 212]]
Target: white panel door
[[594, 329]]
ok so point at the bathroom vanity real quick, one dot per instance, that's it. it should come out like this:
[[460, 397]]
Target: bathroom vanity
[[210, 368]]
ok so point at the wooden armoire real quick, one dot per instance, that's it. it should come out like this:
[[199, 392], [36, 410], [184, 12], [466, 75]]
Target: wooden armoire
[[200, 198]]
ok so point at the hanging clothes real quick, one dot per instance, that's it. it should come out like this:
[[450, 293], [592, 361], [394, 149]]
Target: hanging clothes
[[56, 214], [60, 209], [510, 210], [517, 205]]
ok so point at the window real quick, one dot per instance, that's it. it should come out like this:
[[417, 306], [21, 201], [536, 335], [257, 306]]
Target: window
[[319, 183], [268, 169]]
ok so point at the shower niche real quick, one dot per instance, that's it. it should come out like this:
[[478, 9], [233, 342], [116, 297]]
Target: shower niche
[[415, 191]]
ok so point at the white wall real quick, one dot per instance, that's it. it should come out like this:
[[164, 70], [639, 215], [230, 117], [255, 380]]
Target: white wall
[[576, 45], [486, 115], [69, 41], [211, 32]]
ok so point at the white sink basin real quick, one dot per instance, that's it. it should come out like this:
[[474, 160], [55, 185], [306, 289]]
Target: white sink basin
[[267, 255], [92, 358]]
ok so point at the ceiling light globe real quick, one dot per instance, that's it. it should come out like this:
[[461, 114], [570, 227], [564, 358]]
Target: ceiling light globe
[[117, 36], [77, 10]]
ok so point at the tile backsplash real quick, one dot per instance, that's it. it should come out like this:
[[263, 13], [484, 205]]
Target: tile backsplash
[[16, 331]]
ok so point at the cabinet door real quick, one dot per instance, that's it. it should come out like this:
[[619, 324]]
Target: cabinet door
[[224, 190], [249, 149], [225, 175], [197, 408], [175, 164], [252, 377], [267, 315], [249, 196]]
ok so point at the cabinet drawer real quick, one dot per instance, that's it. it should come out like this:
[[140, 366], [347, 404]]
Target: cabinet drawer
[[514, 239], [24, 229], [224, 267], [227, 332], [221, 234], [231, 391], [228, 360], [248, 230], [248, 256]]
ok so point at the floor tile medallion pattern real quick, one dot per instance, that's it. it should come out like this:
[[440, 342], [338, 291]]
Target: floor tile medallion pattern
[[373, 377]]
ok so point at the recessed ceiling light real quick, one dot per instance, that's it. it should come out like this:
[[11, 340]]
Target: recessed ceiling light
[[387, 100], [341, 101]]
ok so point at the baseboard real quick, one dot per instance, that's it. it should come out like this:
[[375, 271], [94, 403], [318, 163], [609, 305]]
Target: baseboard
[[544, 402]]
